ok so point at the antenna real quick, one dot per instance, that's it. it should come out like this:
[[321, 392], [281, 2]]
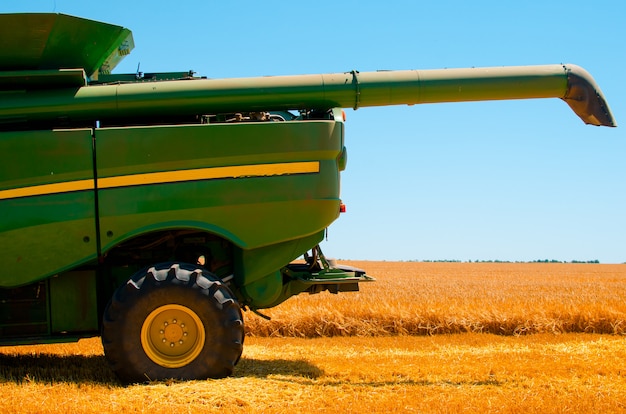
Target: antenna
[[138, 74]]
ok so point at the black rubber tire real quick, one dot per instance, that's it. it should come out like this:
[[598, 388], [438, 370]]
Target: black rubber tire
[[210, 303]]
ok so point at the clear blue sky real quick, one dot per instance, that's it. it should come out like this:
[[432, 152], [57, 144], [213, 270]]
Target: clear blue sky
[[514, 180]]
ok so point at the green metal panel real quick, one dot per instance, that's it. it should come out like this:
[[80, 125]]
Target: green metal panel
[[53, 41], [261, 285], [46, 203], [42, 79], [270, 202], [73, 303], [24, 312]]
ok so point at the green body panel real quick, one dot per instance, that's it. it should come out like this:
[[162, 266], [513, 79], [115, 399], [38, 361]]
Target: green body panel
[[73, 302], [42, 79], [41, 235], [53, 41], [24, 312], [253, 212], [61, 308], [263, 286], [56, 230]]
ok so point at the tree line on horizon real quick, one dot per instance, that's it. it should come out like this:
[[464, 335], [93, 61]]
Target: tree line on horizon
[[596, 261]]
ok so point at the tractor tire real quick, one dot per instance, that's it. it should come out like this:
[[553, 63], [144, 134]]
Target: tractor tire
[[172, 321]]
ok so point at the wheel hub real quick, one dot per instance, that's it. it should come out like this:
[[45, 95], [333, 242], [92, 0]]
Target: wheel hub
[[172, 336], [173, 332]]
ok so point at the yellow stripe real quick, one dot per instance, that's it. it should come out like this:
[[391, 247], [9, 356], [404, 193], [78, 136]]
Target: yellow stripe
[[47, 189], [260, 170]]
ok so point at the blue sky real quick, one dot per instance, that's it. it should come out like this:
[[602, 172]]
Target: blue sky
[[512, 180]]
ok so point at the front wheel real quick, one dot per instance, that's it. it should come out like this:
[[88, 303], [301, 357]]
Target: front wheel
[[172, 321]]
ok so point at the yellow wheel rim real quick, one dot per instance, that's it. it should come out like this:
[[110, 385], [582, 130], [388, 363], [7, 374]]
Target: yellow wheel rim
[[172, 336]]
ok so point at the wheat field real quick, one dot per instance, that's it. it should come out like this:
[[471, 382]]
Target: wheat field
[[417, 298], [426, 337]]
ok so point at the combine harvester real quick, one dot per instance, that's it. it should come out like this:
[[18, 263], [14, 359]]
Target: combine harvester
[[151, 208]]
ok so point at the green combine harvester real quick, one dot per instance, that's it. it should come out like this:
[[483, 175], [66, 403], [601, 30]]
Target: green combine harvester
[[152, 208]]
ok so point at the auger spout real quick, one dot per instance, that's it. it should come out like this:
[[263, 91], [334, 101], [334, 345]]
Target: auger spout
[[586, 99]]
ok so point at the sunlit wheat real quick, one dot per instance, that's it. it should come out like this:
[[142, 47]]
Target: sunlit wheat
[[382, 350], [442, 298]]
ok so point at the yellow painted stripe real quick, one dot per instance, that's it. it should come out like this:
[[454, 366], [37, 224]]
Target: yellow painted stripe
[[36, 190], [260, 170]]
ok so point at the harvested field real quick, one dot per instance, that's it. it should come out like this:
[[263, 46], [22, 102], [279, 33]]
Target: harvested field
[[543, 373], [421, 339]]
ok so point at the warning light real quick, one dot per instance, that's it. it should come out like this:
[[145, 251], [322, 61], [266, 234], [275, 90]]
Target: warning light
[[342, 208]]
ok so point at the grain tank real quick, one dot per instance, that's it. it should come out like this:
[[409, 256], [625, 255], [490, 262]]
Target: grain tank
[[151, 208]]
